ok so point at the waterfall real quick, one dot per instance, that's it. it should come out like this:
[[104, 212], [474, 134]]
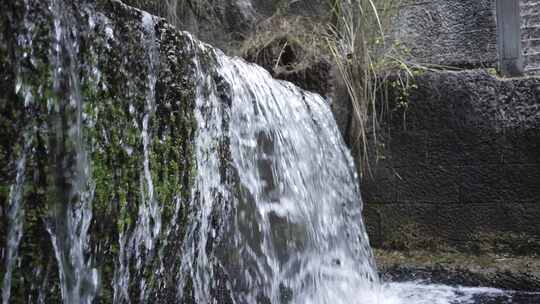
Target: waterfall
[[274, 209], [294, 228], [297, 214]]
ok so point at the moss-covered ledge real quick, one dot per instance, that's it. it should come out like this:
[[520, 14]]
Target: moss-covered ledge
[[520, 273]]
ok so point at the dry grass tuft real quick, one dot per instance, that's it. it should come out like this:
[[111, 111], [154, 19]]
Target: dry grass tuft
[[368, 60], [275, 36]]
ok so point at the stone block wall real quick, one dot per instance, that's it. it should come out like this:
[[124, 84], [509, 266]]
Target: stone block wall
[[530, 32], [449, 32], [464, 33], [461, 165]]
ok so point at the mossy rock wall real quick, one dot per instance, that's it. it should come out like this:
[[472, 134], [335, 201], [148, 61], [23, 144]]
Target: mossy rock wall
[[112, 68]]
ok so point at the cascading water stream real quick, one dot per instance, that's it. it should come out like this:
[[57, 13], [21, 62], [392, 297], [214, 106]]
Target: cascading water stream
[[70, 222], [149, 214], [295, 227], [294, 231], [15, 222], [208, 190], [298, 224]]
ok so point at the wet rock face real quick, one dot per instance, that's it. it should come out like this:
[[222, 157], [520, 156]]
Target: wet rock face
[[136, 112], [461, 166], [221, 23]]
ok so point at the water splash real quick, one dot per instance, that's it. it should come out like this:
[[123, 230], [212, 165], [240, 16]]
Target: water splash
[[421, 293]]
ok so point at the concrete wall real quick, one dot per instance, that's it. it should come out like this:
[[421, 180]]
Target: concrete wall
[[449, 32], [461, 165], [463, 33]]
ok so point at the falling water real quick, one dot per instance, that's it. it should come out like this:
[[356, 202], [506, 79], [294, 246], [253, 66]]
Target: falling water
[[294, 232], [208, 188], [71, 220], [149, 213], [15, 223], [295, 229], [297, 223]]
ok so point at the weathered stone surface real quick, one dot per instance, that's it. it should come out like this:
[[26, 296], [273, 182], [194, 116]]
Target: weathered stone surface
[[435, 32], [341, 106], [449, 32], [471, 100], [222, 23], [462, 159], [530, 34]]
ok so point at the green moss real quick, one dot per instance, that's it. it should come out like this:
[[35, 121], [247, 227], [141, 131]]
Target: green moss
[[487, 267]]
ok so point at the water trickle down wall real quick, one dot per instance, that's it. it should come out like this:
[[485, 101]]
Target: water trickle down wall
[[148, 167], [148, 224], [70, 218]]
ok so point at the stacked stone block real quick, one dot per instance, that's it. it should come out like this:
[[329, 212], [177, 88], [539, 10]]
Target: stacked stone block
[[530, 35]]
